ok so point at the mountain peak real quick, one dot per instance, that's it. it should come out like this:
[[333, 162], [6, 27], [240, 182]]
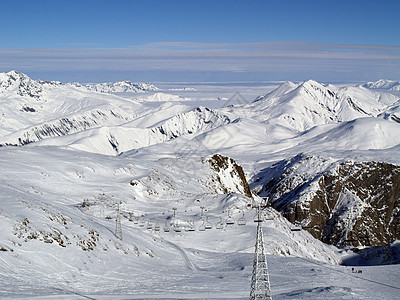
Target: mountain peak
[[312, 84], [12, 76], [13, 73], [20, 83]]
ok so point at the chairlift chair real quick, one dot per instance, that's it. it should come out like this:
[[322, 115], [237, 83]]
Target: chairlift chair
[[166, 227], [268, 218], [229, 220], [156, 227], [220, 224], [202, 227], [296, 227], [258, 217], [207, 224], [191, 226], [149, 225], [177, 228], [242, 220]]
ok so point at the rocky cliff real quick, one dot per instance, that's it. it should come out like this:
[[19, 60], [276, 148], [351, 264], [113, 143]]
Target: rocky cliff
[[339, 202]]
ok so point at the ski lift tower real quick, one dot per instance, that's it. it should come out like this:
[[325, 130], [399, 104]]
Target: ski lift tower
[[260, 286], [118, 228]]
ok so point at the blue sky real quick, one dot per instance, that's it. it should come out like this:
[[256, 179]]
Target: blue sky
[[176, 40]]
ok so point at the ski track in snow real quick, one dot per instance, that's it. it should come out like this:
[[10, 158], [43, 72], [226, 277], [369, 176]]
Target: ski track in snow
[[185, 258]]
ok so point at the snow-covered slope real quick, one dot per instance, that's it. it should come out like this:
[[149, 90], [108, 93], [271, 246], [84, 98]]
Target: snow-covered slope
[[117, 139], [383, 84], [58, 222], [358, 134]]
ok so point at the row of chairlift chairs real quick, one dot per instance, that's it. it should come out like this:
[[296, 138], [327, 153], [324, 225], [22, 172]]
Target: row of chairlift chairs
[[206, 225]]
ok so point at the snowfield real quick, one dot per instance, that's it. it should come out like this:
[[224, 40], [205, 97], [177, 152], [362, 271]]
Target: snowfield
[[77, 158]]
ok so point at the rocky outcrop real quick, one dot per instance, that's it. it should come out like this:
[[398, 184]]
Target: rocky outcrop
[[194, 178], [340, 203], [229, 173]]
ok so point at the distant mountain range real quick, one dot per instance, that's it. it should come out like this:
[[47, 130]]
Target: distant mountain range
[[119, 87], [384, 84]]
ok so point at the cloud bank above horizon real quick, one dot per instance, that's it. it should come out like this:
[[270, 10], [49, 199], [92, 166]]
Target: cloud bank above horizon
[[185, 61]]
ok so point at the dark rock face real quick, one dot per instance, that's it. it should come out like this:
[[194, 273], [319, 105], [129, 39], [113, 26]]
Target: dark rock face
[[220, 163], [340, 203]]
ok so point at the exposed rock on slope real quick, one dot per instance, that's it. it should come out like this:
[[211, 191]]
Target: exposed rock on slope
[[189, 177], [227, 168], [341, 203]]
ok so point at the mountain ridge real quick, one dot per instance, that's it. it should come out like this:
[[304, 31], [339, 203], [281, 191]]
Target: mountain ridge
[[124, 86], [303, 106], [385, 84]]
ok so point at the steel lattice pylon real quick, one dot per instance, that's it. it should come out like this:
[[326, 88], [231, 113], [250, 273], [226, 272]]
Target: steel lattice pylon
[[118, 228], [260, 287]]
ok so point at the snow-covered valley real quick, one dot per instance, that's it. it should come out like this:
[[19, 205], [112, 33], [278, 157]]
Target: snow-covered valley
[[75, 158]]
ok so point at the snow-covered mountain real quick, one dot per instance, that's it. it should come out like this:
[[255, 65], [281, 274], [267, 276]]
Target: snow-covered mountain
[[308, 104], [308, 117], [118, 87], [74, 158], [35, 110], [384, 84], [19, 84]]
